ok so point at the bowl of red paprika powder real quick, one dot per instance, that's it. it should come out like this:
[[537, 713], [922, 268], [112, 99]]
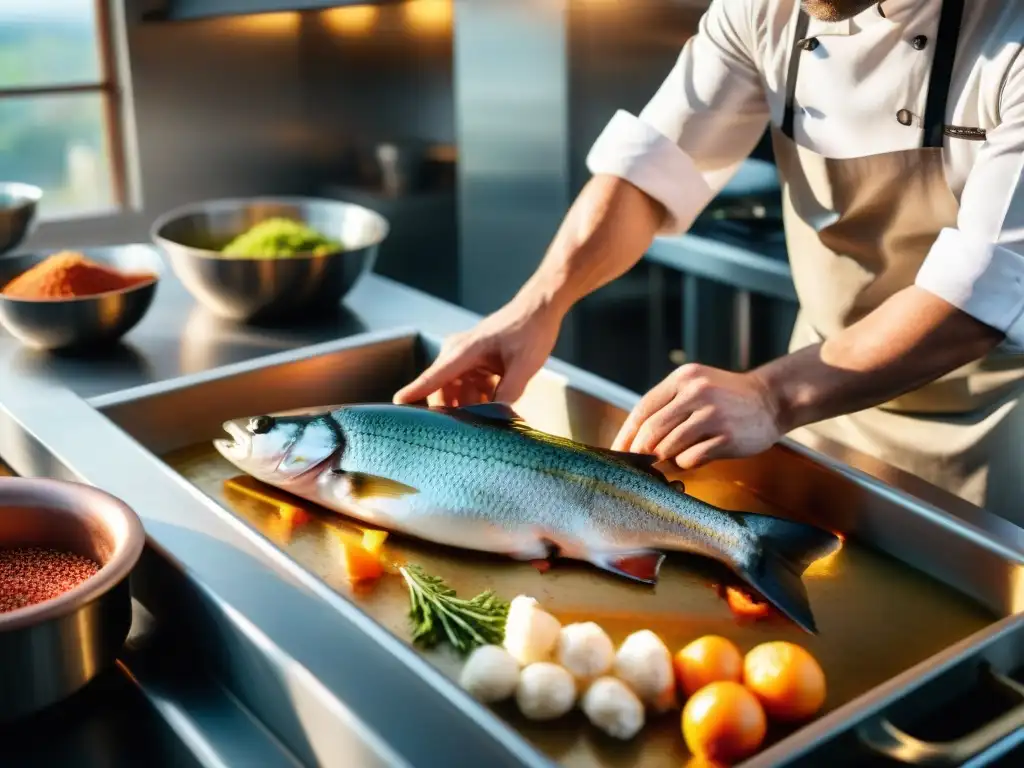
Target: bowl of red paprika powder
[[77, 300]]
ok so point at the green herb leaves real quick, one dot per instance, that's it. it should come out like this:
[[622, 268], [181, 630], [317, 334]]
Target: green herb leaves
[[437, 614]]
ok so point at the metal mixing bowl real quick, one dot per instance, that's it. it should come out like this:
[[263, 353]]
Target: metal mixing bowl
[[51, 649], [86, 322], [18, 204], [246, 289]]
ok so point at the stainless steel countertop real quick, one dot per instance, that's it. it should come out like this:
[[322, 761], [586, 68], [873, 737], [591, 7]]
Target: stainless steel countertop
[[49, 426]]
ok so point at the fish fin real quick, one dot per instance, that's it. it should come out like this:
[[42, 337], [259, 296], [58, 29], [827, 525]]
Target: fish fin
[[788, 547], [779, 583], [373, 487], [493, 412], [642, 461], [640, 565]]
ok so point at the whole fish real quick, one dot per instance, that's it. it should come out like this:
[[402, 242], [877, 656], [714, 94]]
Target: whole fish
[[479, 478]]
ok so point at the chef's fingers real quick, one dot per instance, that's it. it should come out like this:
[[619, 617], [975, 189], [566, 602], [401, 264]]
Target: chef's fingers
[[477, 387], [695, 429], [649, 404], [659, 425], [472, 388], [448, 395], [488, 384], [697, 455], [448, 367], [513, 381]]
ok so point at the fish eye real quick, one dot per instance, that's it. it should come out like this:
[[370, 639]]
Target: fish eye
[[261, 425]]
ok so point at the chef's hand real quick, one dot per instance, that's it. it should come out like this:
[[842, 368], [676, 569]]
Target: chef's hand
[[493, 361], [698, 413]]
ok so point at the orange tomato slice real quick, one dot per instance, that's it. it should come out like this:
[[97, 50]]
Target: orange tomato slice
[[744, 606]]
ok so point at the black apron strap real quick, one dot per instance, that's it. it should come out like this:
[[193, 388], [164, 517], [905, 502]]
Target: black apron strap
[[946, 40], [802, 20], [939, 80]]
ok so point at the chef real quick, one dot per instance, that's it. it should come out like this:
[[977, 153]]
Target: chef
[[898, 132]]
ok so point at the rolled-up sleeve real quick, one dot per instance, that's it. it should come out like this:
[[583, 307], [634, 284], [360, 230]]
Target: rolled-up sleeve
[[703, 121], [978, 266]]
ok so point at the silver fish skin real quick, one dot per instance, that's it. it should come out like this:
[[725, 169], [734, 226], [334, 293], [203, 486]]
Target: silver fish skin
[[479, 478]]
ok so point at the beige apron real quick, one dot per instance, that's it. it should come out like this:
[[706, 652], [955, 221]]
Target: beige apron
[[857, 231]]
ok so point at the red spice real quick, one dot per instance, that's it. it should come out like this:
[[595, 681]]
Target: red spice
[[69, 274], [30, 575]]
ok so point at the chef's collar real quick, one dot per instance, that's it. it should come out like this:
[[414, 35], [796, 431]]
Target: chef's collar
[[885, 12]]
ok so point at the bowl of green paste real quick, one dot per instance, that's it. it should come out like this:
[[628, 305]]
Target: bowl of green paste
[[270, 258]]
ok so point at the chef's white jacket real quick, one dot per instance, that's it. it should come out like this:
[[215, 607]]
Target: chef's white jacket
[[729, 82]]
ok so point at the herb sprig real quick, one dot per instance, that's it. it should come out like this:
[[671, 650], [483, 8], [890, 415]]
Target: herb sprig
[[437, 613]]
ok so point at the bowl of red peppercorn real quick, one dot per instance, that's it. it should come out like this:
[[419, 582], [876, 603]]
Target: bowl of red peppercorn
[[77, 300], [66, 553]]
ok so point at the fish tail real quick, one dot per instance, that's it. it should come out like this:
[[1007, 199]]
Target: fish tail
[[787, 549]]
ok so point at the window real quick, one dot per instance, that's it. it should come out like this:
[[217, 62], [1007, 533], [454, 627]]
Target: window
[[59, 105]]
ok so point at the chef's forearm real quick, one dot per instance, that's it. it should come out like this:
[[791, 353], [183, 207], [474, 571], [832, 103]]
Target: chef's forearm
[[913, 338], [606, 232]]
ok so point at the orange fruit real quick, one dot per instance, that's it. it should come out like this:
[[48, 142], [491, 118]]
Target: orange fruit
[[786, 678], [706, 660], [723, 722]]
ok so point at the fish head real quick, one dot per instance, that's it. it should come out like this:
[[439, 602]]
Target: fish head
[[276, 449]]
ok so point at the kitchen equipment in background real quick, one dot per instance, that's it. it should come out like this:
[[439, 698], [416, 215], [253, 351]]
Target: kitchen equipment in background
[[83, 323], [51, 649], [251, 289], [722, 301], [753, 193], [18, 204], [398, 168], [412, 185], [722, 293]]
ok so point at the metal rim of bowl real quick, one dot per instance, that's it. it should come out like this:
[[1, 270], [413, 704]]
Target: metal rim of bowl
[[232, 203], [27, 194], [110, 574]]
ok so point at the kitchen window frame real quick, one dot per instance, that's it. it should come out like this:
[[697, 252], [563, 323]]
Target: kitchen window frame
[[108, 86]]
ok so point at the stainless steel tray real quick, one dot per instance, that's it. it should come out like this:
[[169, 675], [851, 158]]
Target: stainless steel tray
[[909, 583]]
